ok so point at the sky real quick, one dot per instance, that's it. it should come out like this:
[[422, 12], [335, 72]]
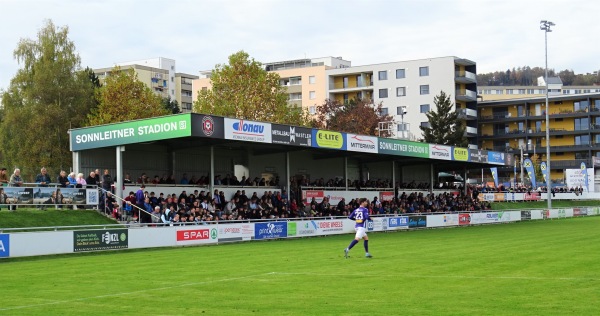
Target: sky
[[199, 34]]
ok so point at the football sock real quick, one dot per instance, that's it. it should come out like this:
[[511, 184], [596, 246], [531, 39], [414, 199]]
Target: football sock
[[354, 242], [366, 246]]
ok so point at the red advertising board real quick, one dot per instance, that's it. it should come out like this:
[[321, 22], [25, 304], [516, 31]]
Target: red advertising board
[[464, 219], [531, 196], [194, 234], [386, 196], [308, 195]]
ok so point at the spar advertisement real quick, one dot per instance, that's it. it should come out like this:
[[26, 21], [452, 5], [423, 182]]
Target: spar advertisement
[[195, 236], [235, 232]]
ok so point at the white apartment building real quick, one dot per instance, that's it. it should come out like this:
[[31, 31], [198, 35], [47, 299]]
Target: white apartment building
[[160, 63], [407, 90]]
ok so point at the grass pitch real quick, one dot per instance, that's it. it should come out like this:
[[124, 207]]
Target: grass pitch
[[547, 267]]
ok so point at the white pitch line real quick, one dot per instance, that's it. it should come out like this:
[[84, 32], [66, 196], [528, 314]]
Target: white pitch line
[[441, 276], [133, 292]]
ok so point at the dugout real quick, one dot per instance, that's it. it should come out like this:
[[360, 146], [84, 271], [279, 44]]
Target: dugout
[[208, 145]]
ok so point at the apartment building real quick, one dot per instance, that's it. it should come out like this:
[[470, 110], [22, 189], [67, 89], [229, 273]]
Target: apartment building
[[407, 89], [183, 91], [517, 126], [305, 79], [159, 63], [155, 78], [555, 87]]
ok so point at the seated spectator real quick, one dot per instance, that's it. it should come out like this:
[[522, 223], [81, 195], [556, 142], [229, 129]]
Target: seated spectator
[[81, 183]]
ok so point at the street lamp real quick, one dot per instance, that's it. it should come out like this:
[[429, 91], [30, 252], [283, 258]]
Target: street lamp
[[545, 26]]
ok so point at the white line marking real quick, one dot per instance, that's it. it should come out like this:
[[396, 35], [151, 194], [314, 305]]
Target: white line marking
[[441, 276], [134, 292]]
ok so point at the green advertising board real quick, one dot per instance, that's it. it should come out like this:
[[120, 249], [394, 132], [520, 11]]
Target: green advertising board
[[165, 127], [403, 148]]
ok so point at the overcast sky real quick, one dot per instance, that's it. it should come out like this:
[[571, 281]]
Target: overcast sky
[[201, 33]]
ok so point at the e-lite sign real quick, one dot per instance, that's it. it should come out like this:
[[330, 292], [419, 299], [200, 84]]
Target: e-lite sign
[[139, 131]]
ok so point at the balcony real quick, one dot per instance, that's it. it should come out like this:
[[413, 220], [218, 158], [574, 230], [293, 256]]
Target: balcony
[[466, 95], [358, 88], [467, 114], [470, 131], [500, 117], [465, 77]]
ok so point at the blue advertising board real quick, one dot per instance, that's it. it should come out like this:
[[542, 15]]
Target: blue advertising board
[[270, 230], [4, 245], [495, 157], [398, 222]]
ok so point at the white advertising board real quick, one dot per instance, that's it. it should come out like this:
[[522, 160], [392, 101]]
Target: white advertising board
[[235, 232]]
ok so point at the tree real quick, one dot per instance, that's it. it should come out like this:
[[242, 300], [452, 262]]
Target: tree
[[123, 98], [444, 126], [243, 89], [172, 106], [357, 116], [46, 97]]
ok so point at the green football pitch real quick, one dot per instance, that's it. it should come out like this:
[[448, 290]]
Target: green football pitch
[[549, 267]]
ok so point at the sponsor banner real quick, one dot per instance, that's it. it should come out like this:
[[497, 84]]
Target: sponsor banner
[[511, 196], [291, 135], [531, 196], [377, 224], [478, 155], [539, 214], [440, 152], [464, 219], [92, 197], [166, 127], [593, 211], [397, 222], [525, 215], [208, 126], [93, 240], [460, 154], [499, 196], [248, 131], [579, 211], [575, 178], [199, 234], [292, 229], [495, 157], [386, 196], [560, 213], [270, 230], [308, 195], [235, 231], [328, 139], [72, 195], [415, 221], [361, 143], [44, 195], [403, 148], [487, 197], [495, 217], [18, 195], [4, 245], [442, 220]]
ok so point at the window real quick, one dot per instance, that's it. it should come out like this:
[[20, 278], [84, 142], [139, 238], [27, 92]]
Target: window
[[359, 81], [403, 127], [345, 84], [312, 109], [582, 140], [425, 124], [346, 99], [383, 75], [400, 73], [401, 110], [424, 108], [383, 93], [423, 71], [582, 124], [401, 91], [311, 79], [384, 111], [510, 91], [424, 89], [312, 95], [295, 96]]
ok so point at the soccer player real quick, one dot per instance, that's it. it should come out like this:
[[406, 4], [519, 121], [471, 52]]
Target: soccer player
[[360, 216]]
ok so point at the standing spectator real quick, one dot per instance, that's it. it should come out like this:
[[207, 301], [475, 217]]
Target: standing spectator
[[97, 176], [43, 179], [62, 179], [139, 201], [15, 179], [3, 177], [91, 179], [107, 181]]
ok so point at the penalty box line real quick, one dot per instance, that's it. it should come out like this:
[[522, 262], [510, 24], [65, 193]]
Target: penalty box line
[[134, 292], [439, 276]]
